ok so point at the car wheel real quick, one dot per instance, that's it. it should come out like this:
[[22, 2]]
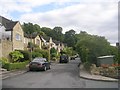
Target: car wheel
[[45, 68], [50, 67], [30, 69]]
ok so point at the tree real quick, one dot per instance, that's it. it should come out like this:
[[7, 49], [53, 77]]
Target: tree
[[30, 28], [69, 38], [90, 47], [47, 31], [57, 33]]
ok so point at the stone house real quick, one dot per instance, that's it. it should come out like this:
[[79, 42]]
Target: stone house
[[12, 36], [50, 43], [34, 38]]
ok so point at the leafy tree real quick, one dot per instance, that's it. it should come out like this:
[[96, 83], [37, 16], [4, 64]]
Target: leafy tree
[[30, 28], [58, 35], [16, 56], [90, 47], [47, 31], [69, 38]]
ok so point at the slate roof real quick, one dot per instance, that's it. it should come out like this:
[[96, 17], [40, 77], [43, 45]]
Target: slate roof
[[8, 24], [47, 38]]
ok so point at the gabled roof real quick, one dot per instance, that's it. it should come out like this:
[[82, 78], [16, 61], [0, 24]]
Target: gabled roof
[[47, 38], [56, 42], [8, 24]]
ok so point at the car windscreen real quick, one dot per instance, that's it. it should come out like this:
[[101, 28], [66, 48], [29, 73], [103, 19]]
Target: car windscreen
[[39, 60]]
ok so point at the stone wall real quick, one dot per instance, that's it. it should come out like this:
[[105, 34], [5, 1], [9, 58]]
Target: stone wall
[[6, 48]]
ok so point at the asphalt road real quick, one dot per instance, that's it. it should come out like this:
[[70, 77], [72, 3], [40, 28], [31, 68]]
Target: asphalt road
[[60, 76]]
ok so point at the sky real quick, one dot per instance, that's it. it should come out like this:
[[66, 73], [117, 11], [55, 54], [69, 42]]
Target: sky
[[96, 17]]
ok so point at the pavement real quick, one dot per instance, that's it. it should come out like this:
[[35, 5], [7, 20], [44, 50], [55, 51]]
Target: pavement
[[86, 75], [4, 74]]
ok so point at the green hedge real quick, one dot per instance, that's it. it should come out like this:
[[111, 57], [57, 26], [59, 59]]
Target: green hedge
[[13, 66]]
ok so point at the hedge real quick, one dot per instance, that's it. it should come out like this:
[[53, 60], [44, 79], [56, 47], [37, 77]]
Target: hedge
[[13, 66]]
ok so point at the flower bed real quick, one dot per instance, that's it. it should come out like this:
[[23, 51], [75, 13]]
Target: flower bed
[[105, 70]]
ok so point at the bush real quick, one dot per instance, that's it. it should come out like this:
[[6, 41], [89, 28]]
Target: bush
[[3, 60], [26, 54], [44, 53], [16, 56], [53, 55], [13, 66], [36, 54], [87, 66]]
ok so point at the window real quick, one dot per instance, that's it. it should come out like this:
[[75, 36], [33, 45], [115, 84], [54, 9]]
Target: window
[[18, 37]]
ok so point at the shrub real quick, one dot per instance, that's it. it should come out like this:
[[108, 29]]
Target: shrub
[[36, 54], [53, 55], [26, 54], [3, 60], [87, 66], [13, 66], [44, 53], [16, 56]]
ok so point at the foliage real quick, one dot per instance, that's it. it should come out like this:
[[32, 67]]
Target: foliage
[[13, 66], [36, 54], [69, 51], [69, 38], [30, 28], [16, 56], [53, 53], [32, 45], [3, 60], [57, 33], [87, 66], [116, 52], [26, 54], [90, 47], [53, 50], [43, 53]]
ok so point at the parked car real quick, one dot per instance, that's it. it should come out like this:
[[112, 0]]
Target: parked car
[[39, 64], [64, 59]]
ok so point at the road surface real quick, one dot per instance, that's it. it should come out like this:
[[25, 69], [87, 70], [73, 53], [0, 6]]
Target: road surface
[[60, 76]]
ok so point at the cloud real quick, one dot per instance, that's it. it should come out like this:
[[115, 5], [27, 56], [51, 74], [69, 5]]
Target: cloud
[[94, 16]]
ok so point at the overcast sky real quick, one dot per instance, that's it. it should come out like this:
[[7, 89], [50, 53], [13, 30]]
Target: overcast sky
[[98, 17]]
